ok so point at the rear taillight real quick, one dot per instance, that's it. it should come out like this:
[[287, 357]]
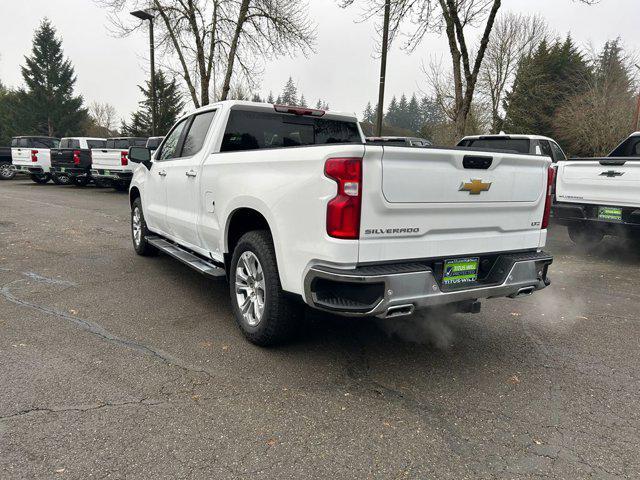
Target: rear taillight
[[124, 159], [34, 155], [343, 211], [551, 174], [76, 157]]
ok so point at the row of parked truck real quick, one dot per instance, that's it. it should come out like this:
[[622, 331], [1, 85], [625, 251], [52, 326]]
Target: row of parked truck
[[75, 160]]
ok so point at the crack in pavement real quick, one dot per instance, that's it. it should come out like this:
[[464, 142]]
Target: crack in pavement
[[98, 406], [93, 327]]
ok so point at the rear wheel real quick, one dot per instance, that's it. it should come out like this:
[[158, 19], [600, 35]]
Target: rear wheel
[[80, 181], [139, 231], [7, 172], [61, 179], [584, 236], [40, 178], [264, 312]]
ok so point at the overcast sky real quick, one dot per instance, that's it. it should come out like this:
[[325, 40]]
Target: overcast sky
[[343, 71]]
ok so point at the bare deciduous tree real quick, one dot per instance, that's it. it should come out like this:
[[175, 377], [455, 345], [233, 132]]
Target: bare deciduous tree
[[513, 37], [456, 18], [103, 118], [211, 43]]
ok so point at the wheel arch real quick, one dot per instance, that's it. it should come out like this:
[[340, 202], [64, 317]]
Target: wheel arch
[[133, 194]]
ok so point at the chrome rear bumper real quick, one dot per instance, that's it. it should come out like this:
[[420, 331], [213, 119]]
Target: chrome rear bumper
[[399, 289]]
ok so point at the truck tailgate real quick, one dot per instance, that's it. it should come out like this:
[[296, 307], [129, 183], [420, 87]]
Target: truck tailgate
[[23, 156], [110, 158], [426, 203], [612, 182]]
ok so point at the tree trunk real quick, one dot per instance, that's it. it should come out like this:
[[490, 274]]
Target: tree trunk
[[242, 16]]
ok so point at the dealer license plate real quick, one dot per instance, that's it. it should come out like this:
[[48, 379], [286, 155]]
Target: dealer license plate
[[459, 271], [610, 214]]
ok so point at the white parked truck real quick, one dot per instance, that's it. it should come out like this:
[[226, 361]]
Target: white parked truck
[[110, 164], [600, 196], [293, 207], [31, 155]]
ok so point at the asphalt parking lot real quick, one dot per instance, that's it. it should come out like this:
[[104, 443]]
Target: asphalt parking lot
[[118, 366]]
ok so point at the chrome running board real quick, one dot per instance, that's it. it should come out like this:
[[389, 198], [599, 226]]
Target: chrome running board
[[190, 259]]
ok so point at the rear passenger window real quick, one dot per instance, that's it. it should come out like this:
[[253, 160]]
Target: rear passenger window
[[546, 149], [248, 130], [197, 132], [558, 154], [170, 147]]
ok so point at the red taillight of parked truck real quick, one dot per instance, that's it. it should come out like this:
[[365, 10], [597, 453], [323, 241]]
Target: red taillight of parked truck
[[551, 174], [343, 211], [124, 158], [34, 156], [76, 157]]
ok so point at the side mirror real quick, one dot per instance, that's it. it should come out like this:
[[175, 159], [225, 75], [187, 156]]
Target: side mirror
[[140, 155]]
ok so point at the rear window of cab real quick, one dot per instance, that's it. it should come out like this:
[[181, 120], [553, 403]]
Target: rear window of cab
[[251, 130], [519, 145]]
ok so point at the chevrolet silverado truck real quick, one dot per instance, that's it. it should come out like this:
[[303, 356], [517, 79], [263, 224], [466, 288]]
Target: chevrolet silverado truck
[[72, 159], [110, 164], [7, 170], [294, 207], [31, 155], [599, 196]]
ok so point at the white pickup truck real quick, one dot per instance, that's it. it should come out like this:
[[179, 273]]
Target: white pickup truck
[[293, 206], [600, 196], [31, 155], [110, 164]]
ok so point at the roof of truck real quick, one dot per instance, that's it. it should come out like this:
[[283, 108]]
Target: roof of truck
[[334, 115], [82, 138]]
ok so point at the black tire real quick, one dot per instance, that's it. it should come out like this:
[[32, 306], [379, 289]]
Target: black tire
[[140, 245], [7, 172], [40, 178], [585, 237], [61, 179], [280, 312], [121, 187], [80, 181]]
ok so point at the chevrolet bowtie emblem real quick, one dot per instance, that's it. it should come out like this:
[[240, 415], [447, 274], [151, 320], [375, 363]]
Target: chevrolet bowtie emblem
[[474, 187], [611, 173]]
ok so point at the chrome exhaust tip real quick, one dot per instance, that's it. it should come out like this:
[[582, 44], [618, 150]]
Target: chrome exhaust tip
[[400, 311]]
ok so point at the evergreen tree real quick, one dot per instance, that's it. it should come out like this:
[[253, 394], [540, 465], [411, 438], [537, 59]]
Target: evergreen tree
[[279, 100], [7, 115], [403, 120], [544, 81], [169, 105], [303, 102], [290, 93], [413, 114], [270, 98], [368, 115], [392, 116], [256, 98], [48, 106]]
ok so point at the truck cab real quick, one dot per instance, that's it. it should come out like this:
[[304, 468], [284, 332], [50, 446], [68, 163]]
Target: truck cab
[[529, 144]]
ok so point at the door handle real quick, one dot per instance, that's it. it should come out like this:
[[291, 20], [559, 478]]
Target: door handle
[[191, 173], [162, 173]]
